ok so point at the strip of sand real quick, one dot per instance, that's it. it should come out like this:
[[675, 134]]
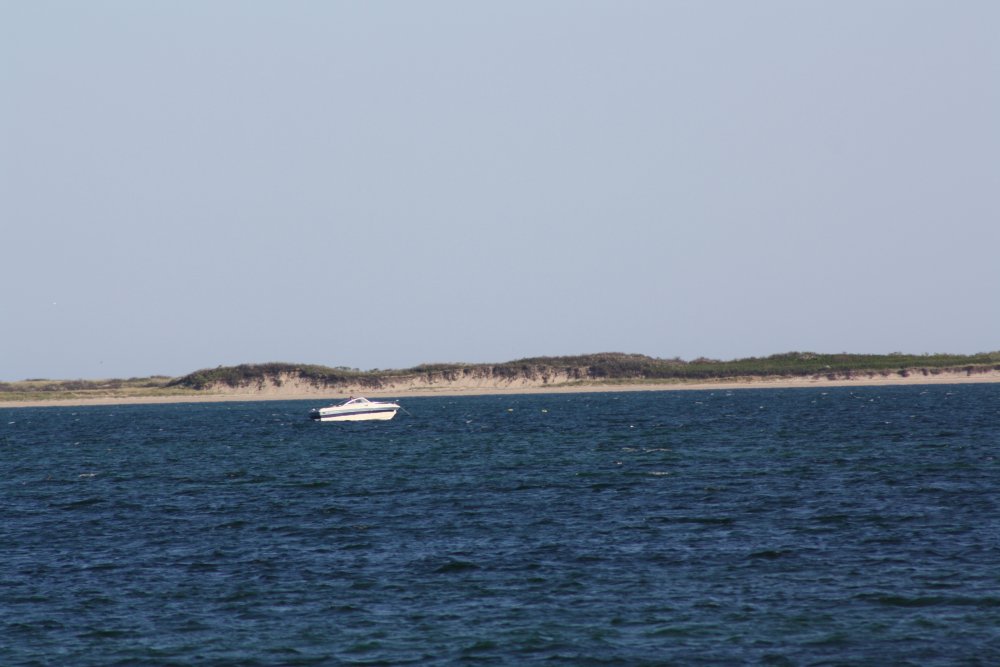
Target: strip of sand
[[297, 392]]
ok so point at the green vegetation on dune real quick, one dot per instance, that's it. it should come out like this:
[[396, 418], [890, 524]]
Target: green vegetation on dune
[[798, 364], [47, 390], [609, 367], [791, 364], [250, 374]]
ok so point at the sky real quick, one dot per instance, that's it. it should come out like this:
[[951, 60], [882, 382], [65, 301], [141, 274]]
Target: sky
[[382, 184]]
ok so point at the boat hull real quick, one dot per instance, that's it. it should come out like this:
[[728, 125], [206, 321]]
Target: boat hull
[[379, 415]]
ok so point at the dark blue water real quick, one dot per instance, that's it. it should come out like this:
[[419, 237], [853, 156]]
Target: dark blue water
[[785, 527]]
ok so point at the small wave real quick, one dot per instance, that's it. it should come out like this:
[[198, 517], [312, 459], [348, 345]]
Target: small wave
[[314, 484], [833, 639], [929, 600], [365, 647], [100, 567], [770, 554], [105, 634], [202, 566], [455, 565], [480, 645], [86, 502], [706, 520], [684, 630], [240, 595]]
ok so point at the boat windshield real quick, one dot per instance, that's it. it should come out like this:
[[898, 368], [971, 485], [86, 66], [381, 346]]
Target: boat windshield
[[355, 399]]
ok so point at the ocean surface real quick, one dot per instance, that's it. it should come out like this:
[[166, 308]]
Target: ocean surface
[[775, 527]]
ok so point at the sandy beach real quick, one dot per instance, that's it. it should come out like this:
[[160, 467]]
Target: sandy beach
[[295, 391]]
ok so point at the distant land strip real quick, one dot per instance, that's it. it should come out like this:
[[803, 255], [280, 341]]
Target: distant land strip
[[592, 372]]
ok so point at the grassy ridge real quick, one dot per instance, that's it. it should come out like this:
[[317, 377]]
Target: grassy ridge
[[250, 374], [607, 367], [42, 390]]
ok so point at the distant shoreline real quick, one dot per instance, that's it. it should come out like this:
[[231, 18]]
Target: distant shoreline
[[460, 389]]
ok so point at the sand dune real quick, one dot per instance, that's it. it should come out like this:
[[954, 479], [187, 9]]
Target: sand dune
[[296, 389]]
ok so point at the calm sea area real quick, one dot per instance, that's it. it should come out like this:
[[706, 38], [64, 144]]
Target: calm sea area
[[776, 527]]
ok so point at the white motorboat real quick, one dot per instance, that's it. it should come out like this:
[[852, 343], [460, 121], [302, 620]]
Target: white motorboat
[[355, 409]]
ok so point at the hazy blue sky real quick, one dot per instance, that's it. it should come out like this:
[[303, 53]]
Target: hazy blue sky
[[188, 184]]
